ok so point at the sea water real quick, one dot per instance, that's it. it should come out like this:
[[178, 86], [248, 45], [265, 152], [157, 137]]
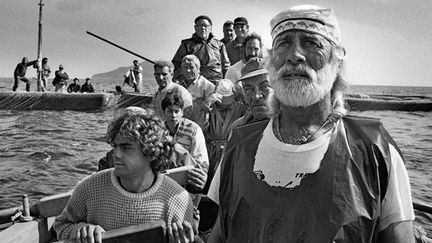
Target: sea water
[[48, 152]]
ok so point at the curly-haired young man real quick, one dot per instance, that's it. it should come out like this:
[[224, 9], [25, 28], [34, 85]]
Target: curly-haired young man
[[132, 192]]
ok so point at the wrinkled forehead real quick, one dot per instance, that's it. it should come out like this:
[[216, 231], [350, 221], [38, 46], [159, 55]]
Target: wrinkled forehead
[[189, 64]]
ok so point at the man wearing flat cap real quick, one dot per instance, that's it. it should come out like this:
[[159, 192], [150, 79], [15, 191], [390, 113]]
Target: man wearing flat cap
[[256, 87], [235, 48], [311, 173], [210, 51]]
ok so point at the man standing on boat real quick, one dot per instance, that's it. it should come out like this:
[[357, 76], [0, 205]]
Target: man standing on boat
[[311, 173], [134, 77], [210, 51], [133, 192], [60, 80], [45, 73], [20, 72]]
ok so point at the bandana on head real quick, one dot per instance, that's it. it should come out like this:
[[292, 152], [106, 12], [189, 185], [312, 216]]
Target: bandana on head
[[308, 18]]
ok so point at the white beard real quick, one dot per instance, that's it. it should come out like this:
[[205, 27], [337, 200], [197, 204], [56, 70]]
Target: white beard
[[302, 92]]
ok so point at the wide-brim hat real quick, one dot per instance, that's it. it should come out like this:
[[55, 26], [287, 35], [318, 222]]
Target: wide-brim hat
[[253, 67]]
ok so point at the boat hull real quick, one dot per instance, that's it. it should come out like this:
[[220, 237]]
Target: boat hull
[[104, 101]]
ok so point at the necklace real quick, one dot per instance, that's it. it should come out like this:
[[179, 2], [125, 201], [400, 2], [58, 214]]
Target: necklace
[[304, 135]]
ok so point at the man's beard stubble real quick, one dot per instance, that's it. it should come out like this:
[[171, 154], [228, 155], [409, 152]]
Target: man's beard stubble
[[301, 91]]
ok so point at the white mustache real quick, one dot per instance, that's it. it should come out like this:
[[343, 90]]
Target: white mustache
[[300, 70]]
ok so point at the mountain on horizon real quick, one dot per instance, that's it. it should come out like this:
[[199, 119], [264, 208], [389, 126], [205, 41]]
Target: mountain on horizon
[[118, 73]]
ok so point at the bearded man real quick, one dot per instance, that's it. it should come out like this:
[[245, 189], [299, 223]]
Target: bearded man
[[311, 173]]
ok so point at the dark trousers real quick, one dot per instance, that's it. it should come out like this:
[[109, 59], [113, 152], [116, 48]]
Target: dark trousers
[[24, 79]]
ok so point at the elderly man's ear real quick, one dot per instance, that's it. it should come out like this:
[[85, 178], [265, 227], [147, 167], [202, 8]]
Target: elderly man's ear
[[340, 52]]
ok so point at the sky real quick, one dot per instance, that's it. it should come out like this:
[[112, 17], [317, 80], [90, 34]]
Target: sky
[[388, 42]]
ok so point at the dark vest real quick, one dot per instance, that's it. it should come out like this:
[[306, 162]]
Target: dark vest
[[338, 203]]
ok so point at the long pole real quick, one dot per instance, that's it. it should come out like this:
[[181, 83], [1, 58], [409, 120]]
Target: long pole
[[124, 49], [39, 54]]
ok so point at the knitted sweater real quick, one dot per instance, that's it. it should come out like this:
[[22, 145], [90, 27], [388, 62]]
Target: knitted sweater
[[101, 200]]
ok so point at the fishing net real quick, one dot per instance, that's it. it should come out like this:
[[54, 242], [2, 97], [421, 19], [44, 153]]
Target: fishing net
[[74, 101]]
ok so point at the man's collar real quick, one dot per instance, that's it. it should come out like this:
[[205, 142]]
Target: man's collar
[[166, 87], [186, 84], [196, 37]]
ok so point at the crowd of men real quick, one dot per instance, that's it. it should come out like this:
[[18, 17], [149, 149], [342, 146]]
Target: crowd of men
[[270, 143], [59, 81]]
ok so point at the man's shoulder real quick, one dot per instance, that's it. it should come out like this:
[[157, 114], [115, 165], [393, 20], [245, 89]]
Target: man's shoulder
[[203, 81], [216, 41], [242, 130], [361, 125], [240, 64], [191, 39], [189, 123], [98, 179], [171, 185], [230, 44], [180, 89]]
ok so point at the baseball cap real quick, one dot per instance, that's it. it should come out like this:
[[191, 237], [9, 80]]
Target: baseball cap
[[240, 21], [225, 87]]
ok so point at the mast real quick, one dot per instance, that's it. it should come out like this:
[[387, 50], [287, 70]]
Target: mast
[[39, 54]]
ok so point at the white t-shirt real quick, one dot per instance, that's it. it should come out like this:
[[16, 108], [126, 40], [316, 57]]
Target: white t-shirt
[[271, 160]]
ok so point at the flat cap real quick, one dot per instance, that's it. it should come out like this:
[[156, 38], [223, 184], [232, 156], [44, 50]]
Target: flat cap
[[253, 67], [203, 17]]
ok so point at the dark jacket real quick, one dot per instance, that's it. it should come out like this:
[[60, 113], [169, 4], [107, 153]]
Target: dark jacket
[[21, 68], [87, 88], [211, 53], [73, 88], [340, 202]]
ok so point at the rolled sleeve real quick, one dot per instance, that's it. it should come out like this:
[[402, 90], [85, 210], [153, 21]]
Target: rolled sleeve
[[397, 204]]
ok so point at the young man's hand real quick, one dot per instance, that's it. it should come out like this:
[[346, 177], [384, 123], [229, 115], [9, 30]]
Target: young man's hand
[[89, 233], [180, 232]]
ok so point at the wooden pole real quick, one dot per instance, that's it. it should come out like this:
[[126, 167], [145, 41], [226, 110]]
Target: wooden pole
[[39, 52], [124, 49]]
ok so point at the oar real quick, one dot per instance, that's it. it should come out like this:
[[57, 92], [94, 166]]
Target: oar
[[422, 207], [124, 49]]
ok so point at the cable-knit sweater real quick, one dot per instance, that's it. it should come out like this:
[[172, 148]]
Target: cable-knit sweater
[[101, 200]]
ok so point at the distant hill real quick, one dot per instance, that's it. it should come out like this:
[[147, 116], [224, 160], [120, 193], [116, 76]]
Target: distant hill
[[118, 73]]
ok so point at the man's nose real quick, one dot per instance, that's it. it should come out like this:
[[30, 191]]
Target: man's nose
[[258, 94], [295, 54], [116, 153]]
